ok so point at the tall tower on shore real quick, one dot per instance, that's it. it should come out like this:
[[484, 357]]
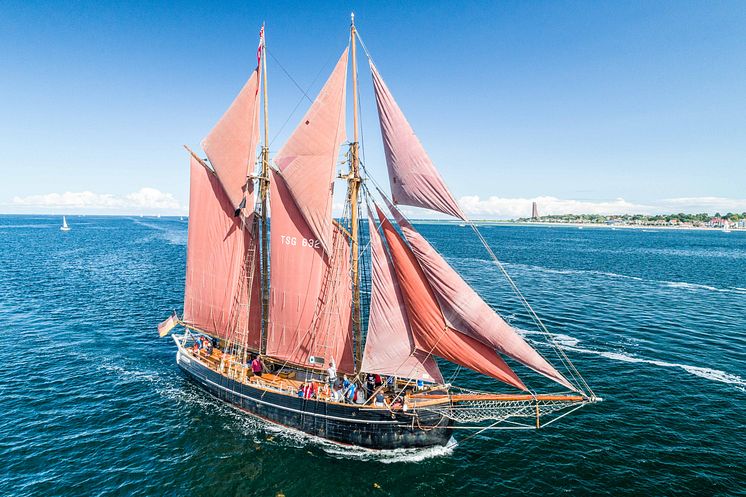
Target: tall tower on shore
[[534, 211]]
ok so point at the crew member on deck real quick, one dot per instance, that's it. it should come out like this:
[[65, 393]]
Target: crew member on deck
[[257, 366], [332, 371]]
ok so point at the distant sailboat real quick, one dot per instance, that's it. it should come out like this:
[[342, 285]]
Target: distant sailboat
[[262, 339], [726, 227], [64, 226]]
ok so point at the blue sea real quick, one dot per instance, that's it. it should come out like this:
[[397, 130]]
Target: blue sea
[[92, 402]]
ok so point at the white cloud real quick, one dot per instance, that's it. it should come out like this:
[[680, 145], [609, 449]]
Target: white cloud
[[144, 200], [705, 204], [505, 208], [151, 198]]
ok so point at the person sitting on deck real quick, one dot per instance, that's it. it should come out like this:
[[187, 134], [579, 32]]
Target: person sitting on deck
[[324, 391], [359, 396], [379, 400], [351, 389], [332, 371], [301, 390], [337, 391], [257, 366], [398, 403]]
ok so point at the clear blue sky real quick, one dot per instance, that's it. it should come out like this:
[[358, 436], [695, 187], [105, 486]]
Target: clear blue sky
[[581, 101]]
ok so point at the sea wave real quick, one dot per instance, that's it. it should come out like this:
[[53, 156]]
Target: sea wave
[[569, 343], [563, 271], [172, 236]]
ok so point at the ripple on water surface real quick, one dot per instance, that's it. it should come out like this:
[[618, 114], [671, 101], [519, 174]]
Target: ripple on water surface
[[93, 403]]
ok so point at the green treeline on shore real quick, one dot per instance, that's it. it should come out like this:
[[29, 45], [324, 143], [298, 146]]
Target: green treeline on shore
[[701, 219]]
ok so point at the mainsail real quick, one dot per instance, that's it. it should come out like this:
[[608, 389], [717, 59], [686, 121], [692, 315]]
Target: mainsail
[[465, 311], [309, 308], [307, 160], [412, 175], [431, 333], [389, 345], [231, 145], [216, 295]]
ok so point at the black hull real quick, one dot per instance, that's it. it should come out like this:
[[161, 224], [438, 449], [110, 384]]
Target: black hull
[[344, 424]]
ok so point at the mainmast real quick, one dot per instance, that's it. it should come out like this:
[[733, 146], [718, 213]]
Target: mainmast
[[263, 189], [354, 186]]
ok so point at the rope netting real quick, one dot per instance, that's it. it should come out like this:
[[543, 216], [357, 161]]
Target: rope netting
[[476, 411]]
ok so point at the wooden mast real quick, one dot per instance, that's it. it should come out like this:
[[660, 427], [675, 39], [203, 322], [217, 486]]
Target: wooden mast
[[263, 189], [354, 186]]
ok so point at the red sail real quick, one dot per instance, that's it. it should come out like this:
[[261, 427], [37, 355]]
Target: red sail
[[412, 175], [389, 346], [429, 329], [466, 312], [231, 145], [216, 296], [309, 308], [308, 160]]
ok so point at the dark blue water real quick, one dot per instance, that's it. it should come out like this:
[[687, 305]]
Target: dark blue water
[[92, 402]]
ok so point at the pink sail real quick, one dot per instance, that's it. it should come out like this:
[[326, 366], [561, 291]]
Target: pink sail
[[413, 177], [389, 346], [231, 145], [431, 333], [309, 307], [466, 312], [307, 161], [216, 291]]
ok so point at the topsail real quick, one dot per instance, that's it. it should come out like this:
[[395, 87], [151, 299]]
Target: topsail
[[412, 175], [307, 161], [231, 145]]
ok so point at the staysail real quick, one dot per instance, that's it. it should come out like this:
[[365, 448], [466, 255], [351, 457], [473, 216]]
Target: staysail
[[412, 175], [389, 346], [307, 160], [465, 311], [309, 307], [231, 145], [430, 331], [216, 295]]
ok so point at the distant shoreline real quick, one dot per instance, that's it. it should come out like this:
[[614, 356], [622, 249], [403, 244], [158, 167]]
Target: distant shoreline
[[607, 226]]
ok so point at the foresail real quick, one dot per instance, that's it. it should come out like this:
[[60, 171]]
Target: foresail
[[465, 311], [412, 175], [309, 307], [308, 159], [231, 145], [389, 346], [431, 333], [216, 296]]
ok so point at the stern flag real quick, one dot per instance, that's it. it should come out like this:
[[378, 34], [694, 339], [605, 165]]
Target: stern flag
[[168, 325]]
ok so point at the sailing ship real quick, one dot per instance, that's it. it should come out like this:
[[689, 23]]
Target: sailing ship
[[64, 226], [317, 297]]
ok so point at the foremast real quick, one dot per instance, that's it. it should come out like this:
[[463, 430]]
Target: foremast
[[353, 180], [263, 189]]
